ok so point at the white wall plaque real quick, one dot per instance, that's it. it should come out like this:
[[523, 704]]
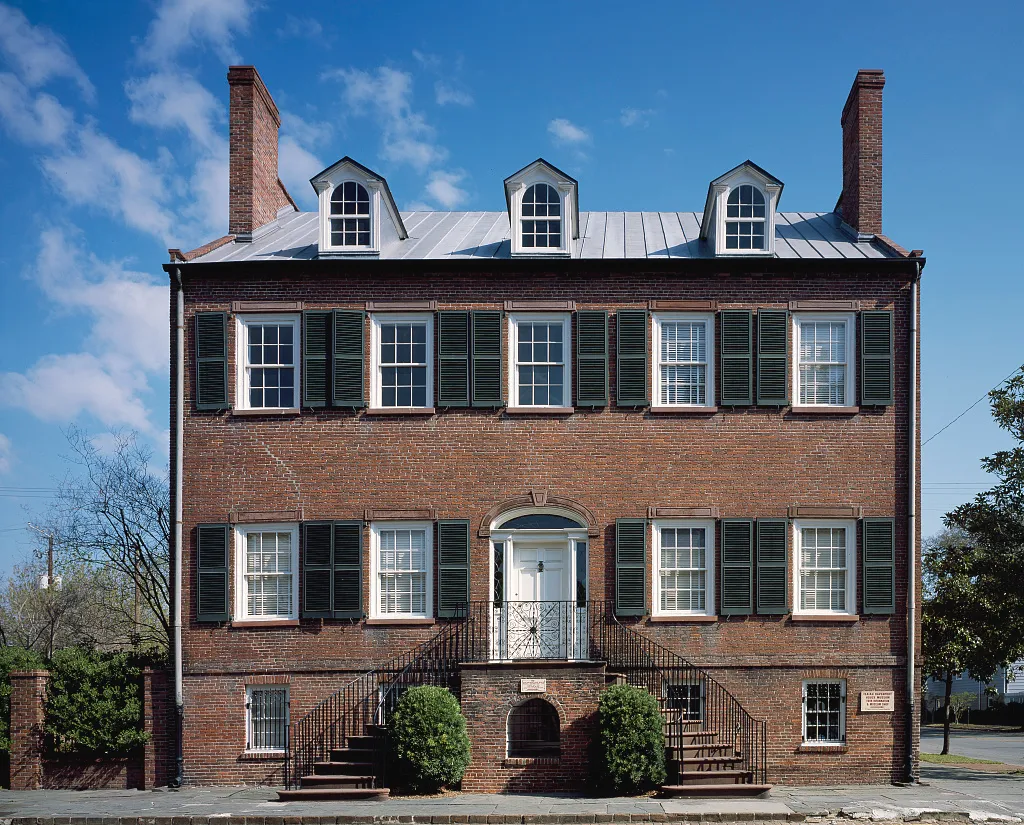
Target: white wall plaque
[[533, 685], [877, 701]]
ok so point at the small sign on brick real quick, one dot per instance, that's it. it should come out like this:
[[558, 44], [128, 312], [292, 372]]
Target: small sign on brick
[[533, 685], [877, 701]]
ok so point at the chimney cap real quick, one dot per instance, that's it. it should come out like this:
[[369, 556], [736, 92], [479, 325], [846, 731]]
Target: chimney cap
[[865, 79]]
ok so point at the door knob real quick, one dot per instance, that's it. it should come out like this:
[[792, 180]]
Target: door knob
[[540, 567]]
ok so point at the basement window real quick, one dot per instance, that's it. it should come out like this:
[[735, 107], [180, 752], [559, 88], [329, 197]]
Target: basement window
[[266, 718], [824, 716], [533, 731]]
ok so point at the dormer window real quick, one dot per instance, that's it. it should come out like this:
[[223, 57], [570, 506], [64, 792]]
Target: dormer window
[[739, 215], [358, 216], [747, 204], [350, 215], [543, 211], [542, 217]]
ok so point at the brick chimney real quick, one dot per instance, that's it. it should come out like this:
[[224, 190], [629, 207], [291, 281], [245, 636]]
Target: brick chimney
[[255, 191], [860, 204]]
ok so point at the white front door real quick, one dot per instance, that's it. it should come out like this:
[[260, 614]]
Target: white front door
[[539, 610]]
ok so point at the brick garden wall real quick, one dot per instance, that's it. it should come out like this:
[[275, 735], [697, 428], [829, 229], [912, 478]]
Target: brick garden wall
[[617, 462]]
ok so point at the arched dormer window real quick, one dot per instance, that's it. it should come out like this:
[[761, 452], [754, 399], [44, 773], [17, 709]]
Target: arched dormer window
[[745, 218], [350, 215], [533, 731], [542, 217]]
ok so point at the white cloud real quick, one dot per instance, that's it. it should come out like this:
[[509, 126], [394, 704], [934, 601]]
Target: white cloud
[[443, 187], [306, 132], [386, 94], [301, 27], [635, 117], [172, 99], [418, 206], [564, 131], [6, 454], [180, 24], [295, 166], [445, 94], [34, 120], [37, 53]]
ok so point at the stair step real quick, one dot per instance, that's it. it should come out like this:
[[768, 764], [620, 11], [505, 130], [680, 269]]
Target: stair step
[[675, 740], [329, 769], [745, 789], [725, 776], [331, 794], [361, 742], [352, 754], [337, 780], [698, 749], [350, 768], [695, 762]]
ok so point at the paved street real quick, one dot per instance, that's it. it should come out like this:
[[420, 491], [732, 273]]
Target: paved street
[[981, 796], [1001, 747]]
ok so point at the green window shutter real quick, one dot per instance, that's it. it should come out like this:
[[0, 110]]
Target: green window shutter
[[453, 359], [348, 570], [212, 361], [317, 570], [630, 567], [772, 358], [487, 358], [452, 568], [316, 358], [349, 347], [878, 556], [631, 358], [736, 349], [772, 569], [876, 345], [737, 566], [212, 573], [592, 358]]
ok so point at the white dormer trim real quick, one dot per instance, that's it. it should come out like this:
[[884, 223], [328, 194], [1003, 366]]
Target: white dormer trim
[[713, 224], [386, 226], [540, 171]]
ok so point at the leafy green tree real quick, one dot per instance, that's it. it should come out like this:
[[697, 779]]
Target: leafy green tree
[[429, 743], [94, 702], [629, 751]]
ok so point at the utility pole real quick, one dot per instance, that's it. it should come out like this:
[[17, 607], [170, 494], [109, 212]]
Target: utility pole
[[49, 581]]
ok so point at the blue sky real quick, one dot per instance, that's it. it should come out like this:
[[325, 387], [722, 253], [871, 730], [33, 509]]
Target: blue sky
[[113, 147]]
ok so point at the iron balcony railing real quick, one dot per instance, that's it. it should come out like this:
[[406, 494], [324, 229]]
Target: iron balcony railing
[[575, 630]]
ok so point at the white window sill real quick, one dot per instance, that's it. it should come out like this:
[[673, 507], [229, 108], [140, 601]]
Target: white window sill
[[281, 622], [540, 410], [537, 253], [399, 411], [683, 410], [265, 411], [824, 409], [822, 746], [264, 754], [683, 617], [848, 618], [401, 620], [358, 252]]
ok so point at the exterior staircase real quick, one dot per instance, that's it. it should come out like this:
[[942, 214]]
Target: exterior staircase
[[348, 773], [699, 763]]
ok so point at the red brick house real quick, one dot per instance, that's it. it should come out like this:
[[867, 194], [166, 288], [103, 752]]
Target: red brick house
[[528, 453]]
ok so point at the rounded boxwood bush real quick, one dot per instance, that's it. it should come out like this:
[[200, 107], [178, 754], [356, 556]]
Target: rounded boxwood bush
[[629, 750], [429, 743]]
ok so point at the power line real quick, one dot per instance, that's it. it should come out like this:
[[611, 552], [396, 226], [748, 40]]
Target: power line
[[975, 404]]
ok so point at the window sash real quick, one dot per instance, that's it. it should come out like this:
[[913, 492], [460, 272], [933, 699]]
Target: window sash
[[540, 381], [823, 354], [266, 567], [824, 714], [267, 723], [403, 563], [823, 560], [684, 568], [683, 381], [403, 356], [268, 369]]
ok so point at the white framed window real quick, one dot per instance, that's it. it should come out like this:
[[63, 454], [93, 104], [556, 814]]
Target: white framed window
[[824, 711], [540, 368], [402, 371], [267, 361], [825, 580], [683, 366], [266, 572], [745, 222], [402, 570], [823, 354], [349, 217], [684, 565], [266, 718], [541, 226]]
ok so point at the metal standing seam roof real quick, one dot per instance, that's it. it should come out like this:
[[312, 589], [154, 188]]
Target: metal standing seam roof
[[603, 235]]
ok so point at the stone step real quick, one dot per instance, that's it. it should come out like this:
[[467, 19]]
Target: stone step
[[350, 768], [337, 780], [726, 776], [745, 789], [698, 749], [706, 763], [331, 794], [677, 739], [336, 769], [352, 754], [361, 742]]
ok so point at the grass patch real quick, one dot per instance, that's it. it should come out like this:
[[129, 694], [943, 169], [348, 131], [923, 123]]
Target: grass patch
[[954, 759]]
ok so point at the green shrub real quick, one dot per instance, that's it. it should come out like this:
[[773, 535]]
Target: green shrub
[[429, 744], [629, 750], [94, 702], [12, 658]]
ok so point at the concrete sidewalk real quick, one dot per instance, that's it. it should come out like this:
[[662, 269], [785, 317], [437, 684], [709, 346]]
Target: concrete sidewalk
[[951, 793]]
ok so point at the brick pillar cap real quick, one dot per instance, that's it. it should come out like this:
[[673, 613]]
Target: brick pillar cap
[[865, 79], [29, 674]]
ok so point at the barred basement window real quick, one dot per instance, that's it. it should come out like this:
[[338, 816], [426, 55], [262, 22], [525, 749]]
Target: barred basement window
[[686, 700], [824, 712], [266, 715], [533, 730]]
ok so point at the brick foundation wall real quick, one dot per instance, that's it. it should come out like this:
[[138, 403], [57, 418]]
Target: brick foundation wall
[[616, 462], [489, 693]]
